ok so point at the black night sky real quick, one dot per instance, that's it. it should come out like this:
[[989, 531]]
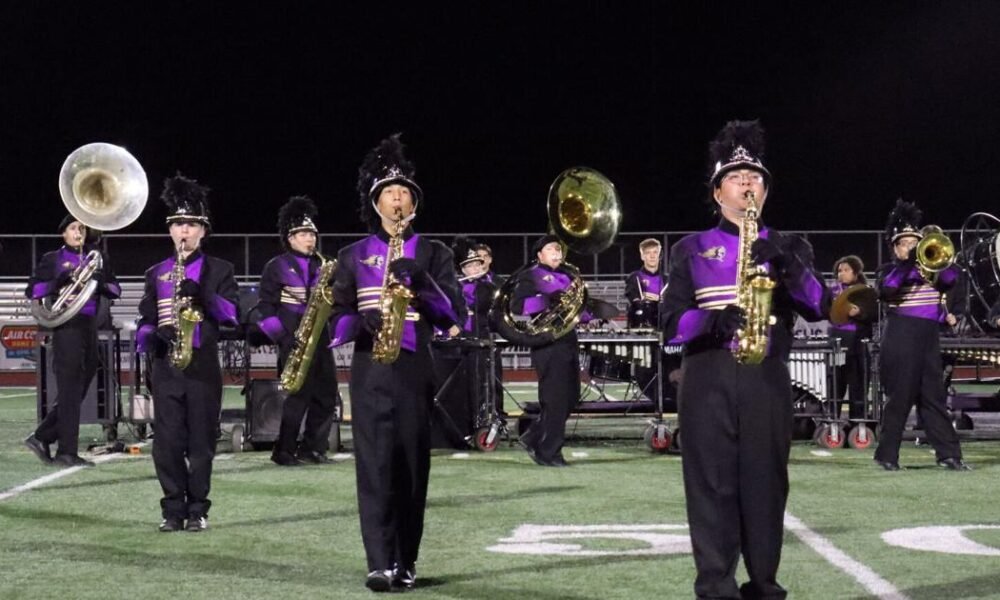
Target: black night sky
[[862, 101]]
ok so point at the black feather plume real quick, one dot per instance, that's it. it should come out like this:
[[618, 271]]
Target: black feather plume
[[291, 213], [748, 134], [383, 164], [904, 218]]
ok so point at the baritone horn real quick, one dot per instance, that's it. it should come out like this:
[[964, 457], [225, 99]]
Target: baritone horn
[[105, 188], [935, 252]]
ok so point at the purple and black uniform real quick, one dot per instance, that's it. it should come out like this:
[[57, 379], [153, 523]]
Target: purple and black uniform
[[74, 344], [911, 368], [557, 364], [643, 290], [188, 402], [390, 403], [285, 286], [736, 418]]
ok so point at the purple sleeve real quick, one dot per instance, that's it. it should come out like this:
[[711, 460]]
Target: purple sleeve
[[144, 338], [946, 279], [344, 329], [693, 323], [436, 305], [112, 290], [272, 327], [42, 289], [534, 305]]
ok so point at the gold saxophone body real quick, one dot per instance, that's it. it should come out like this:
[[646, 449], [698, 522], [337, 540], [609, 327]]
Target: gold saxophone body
[[185, 317], [393, 300], [310, 328], [753, 293]]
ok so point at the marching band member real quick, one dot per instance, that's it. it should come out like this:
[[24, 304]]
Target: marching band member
[[910, 347], [558, 363], [74, 344], [643, 287], [850, 376], [391, 400], [285, 288], [188, 398], [736, 417], [477, 287]]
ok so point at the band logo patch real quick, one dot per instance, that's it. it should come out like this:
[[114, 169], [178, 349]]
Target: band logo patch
[[714, 253], [375, 260], [548, 278]]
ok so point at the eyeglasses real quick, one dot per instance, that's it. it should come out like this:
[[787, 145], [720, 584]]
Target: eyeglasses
[[738, 178]]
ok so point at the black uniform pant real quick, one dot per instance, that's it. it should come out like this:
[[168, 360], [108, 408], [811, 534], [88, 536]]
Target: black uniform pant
[[187, 405], [74, 361], [737, 422], [558, 368], [911, 374], [316, 402], [390, 422], [850, 375]]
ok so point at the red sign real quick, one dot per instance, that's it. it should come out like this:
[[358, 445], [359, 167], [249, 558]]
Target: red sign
[[18, 337]]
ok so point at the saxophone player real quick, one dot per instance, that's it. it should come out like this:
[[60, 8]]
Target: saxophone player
[[286, 285], [188, 399], [736, 417], [391, 398], [74, 344]]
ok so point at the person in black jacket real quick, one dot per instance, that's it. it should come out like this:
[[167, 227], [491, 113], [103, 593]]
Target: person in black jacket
[[188, 400], [74, 344], [736, 417], [286, 284], [391, 401]]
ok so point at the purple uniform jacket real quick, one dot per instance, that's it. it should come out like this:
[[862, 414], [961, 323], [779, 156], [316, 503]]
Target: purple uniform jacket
[[534, 289], [219, 297], [478, 295], [702, 278], [643, 286], [44, 281], [358, 284], [907, 293], [285, 286]]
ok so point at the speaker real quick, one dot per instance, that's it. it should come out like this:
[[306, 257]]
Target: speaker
[[265, 402], [100, 404]]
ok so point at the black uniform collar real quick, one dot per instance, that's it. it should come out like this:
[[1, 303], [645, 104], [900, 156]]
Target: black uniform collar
[[383, 235], [652, 273], [193, 256], [298, 254], [548, 268]]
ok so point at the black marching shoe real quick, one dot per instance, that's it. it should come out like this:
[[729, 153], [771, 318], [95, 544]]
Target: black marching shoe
[[285, 459], [953, 464], [171, 524], [888, 465], [559, 461], [313, 457], [71, 460], [39, 448], [196, 524], [379, 581], [404, 579]]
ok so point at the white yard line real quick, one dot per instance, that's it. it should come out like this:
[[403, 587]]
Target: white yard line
[[46, 479], [870, 580]]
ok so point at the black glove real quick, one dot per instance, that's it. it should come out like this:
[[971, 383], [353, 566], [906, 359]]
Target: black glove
[[166, 335], [99, 278], [765, 251], [371, 320], [911, 256], [725, 322], [190, 288], [285, 344], [407, 268], [63, 278]]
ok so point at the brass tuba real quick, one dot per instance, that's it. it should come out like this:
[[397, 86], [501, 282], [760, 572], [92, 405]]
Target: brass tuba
[[584, 213], [935, 252], [105, 188]]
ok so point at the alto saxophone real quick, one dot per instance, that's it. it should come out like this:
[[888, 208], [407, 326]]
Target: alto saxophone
[[184, 316], [753, 293], [393, 300], [310, 328]]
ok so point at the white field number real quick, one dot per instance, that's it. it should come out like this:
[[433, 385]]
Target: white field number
[[571, 540]]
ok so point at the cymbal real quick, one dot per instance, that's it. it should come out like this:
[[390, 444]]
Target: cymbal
[[859, 295], [602, 309]]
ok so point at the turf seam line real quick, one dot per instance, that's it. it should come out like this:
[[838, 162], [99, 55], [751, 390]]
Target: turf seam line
[[45, 479], [867, 578]]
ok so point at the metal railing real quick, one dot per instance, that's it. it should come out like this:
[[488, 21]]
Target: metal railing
[[132, 253]]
